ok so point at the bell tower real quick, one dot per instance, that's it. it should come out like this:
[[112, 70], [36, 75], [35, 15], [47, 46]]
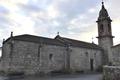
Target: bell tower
[[105, 38]]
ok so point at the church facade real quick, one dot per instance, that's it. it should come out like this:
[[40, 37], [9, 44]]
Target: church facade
[[34, 54]]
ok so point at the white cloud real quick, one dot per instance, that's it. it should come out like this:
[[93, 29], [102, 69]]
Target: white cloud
[[116, 30], [73, 18], [52, 12], [92, 10]]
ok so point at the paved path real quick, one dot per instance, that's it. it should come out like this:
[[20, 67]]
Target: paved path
[[64, 77], [79, 77]]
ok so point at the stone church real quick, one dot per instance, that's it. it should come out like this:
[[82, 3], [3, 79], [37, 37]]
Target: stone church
[[31, 54]]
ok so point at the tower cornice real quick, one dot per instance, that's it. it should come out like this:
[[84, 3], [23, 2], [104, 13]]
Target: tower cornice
[[104, 18], [105, 36]]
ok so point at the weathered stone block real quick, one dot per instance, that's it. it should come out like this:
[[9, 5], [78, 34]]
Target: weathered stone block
[[111, 73]]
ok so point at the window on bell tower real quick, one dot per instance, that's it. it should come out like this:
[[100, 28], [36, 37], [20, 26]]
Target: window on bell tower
[[109, 27], [50, 56], [101, 28]]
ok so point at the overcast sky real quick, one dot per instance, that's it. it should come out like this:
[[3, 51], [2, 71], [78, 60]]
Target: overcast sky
[[72, 18]]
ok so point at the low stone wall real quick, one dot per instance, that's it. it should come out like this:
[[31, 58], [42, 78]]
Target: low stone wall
[[111, 73]]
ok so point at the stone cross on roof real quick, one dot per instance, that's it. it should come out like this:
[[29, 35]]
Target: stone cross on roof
[[58, 33]]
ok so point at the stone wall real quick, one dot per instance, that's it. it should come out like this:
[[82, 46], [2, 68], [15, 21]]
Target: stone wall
[[111, 73], [106, 43], [80, 59], [5, 58], [32, 58], [116, 55]]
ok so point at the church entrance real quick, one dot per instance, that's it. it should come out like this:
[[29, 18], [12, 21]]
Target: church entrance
[[91, 64]]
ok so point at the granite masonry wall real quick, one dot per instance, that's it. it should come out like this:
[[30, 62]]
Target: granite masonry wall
[[32, 58], [111, 73], [81, 59], [116, 55]]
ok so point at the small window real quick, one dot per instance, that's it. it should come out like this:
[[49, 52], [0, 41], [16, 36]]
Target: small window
[[109, 27], [86, 54], [50, 56], [101, 28], [95, 54]]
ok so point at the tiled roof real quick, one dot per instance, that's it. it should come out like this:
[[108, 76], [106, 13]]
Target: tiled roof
[[56, 41], [77, 43], [115, 46], [36, 39]]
